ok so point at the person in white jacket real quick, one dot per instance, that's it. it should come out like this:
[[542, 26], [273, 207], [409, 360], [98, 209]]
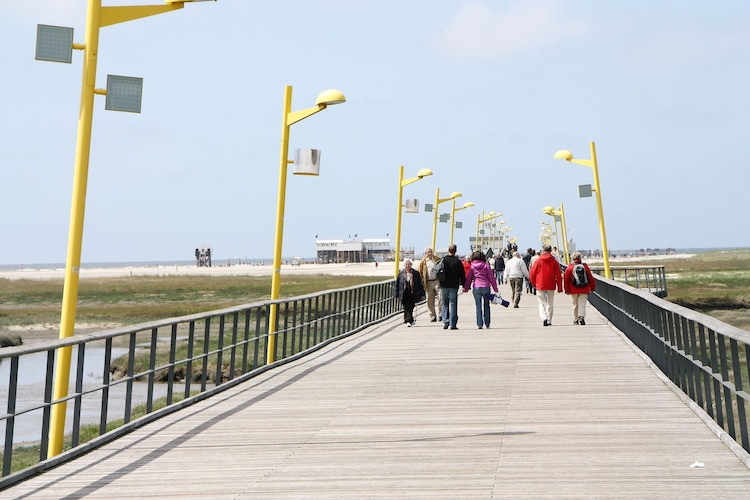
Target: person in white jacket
[[515, 272]]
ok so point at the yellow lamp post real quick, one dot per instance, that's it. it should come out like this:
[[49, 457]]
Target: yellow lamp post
[[482, 220], [495, 233], [554, 240], [504, 235], [96, 18], [453, 215], [401, 183], [480, 229], [591, 163], [560, 215], [289, 118], [438, 201]]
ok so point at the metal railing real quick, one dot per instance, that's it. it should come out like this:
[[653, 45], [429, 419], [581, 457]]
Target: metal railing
[[706, 358], [166, 365], [650, 278]]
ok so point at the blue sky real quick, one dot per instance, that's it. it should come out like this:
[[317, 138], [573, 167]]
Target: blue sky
[[482, 92]]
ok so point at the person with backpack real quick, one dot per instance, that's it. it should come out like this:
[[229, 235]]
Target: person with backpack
[[454, 278], [579, 282]]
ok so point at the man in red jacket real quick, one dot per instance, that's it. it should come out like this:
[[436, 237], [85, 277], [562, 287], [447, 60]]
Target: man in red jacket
[[546, 277]]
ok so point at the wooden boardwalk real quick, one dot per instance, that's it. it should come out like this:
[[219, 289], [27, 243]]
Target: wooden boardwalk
[[515, 411]]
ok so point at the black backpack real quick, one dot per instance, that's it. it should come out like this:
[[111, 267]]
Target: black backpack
[[580, 278], [439, 270]]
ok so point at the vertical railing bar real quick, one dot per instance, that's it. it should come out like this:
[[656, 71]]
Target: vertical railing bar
[[189, 364], [151, 367], [11, 410], [78, 398]]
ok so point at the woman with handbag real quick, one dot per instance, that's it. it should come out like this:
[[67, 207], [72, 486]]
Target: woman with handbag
[[482, 277], [409, 290]]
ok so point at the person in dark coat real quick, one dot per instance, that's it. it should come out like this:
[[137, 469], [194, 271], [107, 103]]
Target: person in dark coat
[[454, 278], [409, 290], [499, 267]]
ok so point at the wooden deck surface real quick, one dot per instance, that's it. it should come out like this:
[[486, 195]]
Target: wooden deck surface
[[515, 411]]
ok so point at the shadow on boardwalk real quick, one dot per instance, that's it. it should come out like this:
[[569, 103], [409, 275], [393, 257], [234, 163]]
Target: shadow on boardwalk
[[515, 411]]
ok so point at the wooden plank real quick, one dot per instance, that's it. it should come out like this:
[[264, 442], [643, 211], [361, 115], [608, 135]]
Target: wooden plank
[[515, 411]]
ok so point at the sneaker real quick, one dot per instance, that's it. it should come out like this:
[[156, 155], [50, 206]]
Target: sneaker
[[575, 322], [433, 320], [408, 325], [581, 321], [545, 323], [515, 306], [454, 328], [445, 326]]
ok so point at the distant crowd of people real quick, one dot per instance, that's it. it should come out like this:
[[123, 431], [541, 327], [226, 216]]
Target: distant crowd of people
[[438, 281]]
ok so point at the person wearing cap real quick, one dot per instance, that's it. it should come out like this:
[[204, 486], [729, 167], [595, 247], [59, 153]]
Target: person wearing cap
[[579, 294]]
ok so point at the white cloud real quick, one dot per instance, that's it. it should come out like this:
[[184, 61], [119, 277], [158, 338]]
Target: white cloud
[[477, 31]]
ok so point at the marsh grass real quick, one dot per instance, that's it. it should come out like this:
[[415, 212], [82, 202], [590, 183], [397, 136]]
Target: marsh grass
[[127, 301], [715, 283]]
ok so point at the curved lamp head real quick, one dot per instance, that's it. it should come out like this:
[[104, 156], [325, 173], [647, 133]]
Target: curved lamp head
[[456, 194], [548, 210], [468, 204], [424, 172], [330, 97], [564, 154]]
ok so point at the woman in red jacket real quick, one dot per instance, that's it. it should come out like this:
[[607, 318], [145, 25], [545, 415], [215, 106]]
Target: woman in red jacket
[[579, 283]]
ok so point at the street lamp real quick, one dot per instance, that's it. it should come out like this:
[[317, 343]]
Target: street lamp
[[289, 118], [401, 183], [554, 239], [453, 215], [568, 156], [504, 234], [480, 221], [559, 215], [47, 50], [438, 201]]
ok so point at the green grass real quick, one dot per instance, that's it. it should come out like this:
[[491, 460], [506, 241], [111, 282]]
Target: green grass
[[716, 283], [128, 301]]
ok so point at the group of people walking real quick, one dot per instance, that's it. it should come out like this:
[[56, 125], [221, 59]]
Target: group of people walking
[[542, 272]]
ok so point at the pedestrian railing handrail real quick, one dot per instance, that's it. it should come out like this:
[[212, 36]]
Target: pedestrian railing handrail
[[706, 358], [193, 356], [650, 278]]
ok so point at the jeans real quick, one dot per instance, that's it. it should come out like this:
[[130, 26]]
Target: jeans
[[449, 297], [483, 306]]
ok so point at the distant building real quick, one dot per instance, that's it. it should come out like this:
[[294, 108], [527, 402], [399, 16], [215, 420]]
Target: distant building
[[203, 256], [342, 251]]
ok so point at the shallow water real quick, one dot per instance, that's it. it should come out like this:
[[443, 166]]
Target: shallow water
[[30, 393]]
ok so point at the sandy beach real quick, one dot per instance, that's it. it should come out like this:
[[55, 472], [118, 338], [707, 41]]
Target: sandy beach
[[384, 269], [364, 269]]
